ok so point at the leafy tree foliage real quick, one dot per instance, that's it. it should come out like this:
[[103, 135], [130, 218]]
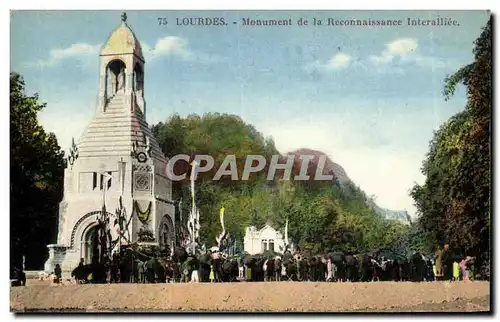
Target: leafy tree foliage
[[36, 182], [454, 202]]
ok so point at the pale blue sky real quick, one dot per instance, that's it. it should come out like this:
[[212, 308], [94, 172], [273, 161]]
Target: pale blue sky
[[368, 97]]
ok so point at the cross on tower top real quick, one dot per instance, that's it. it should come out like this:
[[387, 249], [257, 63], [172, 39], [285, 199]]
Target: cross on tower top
[[124, 17]]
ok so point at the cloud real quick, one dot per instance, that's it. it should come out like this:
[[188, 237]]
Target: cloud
[[170, 45], [166, 46], [397, 48], [405, 51], [340, 60], [402, 46], [336, 62], [176, 47], [397, 55], [79, 50]]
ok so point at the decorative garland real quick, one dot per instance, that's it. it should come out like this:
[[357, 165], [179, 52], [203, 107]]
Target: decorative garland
[[142, 215]]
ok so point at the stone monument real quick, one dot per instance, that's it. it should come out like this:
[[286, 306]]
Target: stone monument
[[117, 158]]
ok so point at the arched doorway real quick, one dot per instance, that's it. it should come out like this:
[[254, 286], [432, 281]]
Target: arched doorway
[[90, 244], [166, 232], [115, 77]]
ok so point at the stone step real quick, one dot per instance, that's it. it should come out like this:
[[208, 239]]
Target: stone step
[[110, 122], [105, 143], [98, 146], [111, 116], [103, 134], [117, 110], [107, 137], [114, 106], [118, 130], [105, 153]]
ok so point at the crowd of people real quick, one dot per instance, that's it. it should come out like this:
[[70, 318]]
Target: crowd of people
[[448, 266], [300, 266], [213, 267]]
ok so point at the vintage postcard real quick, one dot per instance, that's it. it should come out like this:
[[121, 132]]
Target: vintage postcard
[[250, 161]]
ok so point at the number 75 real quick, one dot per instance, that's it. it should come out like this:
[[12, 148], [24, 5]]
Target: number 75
[[162, 21]]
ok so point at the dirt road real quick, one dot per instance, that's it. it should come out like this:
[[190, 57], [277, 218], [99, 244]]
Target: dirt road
[[256, 297]]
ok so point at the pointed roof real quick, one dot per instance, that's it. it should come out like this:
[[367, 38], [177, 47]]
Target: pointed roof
[[122, 41], [112, 133]]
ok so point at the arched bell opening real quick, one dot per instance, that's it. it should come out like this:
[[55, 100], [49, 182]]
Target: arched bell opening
[[115, 77], [138, 78]]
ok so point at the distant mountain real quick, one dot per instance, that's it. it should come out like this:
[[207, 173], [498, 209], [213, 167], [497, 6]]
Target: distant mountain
[[401, 215], [343, 179], [330, 167]]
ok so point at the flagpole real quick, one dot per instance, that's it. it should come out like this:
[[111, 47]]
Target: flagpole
[[105, 178], [180, 221], [193, 206]]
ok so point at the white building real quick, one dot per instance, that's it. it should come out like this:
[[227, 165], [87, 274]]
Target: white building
[[118, 143], [267, 238]]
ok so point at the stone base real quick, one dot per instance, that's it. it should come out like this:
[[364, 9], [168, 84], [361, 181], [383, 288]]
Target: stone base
[[56, 256], [59, 254]]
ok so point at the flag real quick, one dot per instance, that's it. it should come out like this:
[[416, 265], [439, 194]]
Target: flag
[[180, 212], [193, 178], [286, 232], [222, 218], [197, 225]]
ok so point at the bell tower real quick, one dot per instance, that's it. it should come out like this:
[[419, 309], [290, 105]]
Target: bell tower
[[117, 164], [122, 69]]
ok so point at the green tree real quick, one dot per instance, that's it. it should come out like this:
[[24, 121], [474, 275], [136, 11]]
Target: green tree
[[36, 179], [454, 203]]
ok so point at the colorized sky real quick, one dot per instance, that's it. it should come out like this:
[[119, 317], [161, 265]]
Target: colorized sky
[[369, 97]]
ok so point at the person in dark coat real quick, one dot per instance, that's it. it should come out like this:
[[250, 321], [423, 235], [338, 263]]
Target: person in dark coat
[[205, 267], [338, 259], [418, 267], [150, 270], [447, 263], [20, 277], [58, 274], [366, 268], [113, 271], [270, 269], [291, 269], [396, 270], [80, 272], [159, 271], [350, 267]]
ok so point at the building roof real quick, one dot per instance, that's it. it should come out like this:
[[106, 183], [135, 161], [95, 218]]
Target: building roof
[[258, 232], [122, 41]]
